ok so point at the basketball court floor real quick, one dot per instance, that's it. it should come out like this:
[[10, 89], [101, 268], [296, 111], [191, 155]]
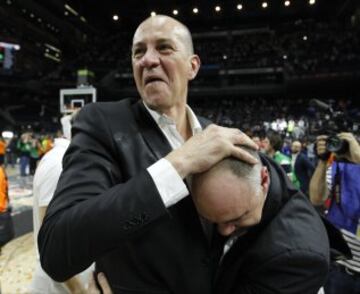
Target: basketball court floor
[[17, 258]]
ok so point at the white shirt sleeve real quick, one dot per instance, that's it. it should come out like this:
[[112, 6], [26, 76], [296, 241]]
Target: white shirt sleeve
[[47, 183], [170, 185]]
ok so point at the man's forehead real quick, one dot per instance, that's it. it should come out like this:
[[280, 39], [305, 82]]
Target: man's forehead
[[158, 28]]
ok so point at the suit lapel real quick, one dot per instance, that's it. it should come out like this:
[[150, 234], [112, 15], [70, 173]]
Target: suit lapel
[[150, 131]]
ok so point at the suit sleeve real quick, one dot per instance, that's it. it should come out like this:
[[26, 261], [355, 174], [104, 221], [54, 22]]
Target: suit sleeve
[[293, 272], [94, 206]]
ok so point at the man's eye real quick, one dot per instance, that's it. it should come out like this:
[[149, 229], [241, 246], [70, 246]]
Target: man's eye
[[138, 52], [165, 47]]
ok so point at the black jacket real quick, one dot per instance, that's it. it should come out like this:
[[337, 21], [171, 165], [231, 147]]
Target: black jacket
[[106, 208], [304, 170], [287, 253]]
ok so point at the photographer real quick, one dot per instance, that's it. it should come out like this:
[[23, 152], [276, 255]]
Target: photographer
[[335, 183]]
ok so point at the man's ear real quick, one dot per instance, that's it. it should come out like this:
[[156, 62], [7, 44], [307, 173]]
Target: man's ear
[[265, 179], [195, 66]]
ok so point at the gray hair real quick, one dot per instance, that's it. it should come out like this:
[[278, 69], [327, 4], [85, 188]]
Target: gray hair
[[244, 170]]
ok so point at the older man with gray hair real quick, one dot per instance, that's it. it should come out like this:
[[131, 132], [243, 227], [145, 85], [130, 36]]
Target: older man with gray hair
[[275, 240]]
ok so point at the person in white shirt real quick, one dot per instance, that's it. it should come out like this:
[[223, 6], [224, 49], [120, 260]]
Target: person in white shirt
[[45, 181]]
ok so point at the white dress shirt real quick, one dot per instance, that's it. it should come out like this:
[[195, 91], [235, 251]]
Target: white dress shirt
[[170, 185]]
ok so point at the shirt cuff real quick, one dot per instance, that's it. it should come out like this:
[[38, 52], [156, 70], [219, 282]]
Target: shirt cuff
[[170, 185]]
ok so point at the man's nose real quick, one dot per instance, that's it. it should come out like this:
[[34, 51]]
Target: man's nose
[[226, 229], [150, 59]]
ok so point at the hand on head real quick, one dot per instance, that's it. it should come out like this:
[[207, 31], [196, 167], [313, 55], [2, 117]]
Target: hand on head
[[205, 149]]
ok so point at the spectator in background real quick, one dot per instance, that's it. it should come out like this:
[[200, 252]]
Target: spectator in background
[[302, 167], [34, 153], [272, 145], [7, 229], [24, 147], [45, 181], [2, 150], [335, 184], [11, 151]]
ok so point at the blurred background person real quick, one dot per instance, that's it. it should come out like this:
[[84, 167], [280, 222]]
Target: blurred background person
[[45, 181], [335, 184], [24, 147], [302, 167]]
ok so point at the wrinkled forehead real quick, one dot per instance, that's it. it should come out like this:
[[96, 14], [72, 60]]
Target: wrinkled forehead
[[159, 28]]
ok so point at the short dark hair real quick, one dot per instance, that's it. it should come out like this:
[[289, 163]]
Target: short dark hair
[[275, 140]]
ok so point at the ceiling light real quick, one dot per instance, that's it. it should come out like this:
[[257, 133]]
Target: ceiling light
[[287, 3], [217, 8], [195, 10], [264, 5], [311, 2], [153, 13], [239, 7], [115, 17], [175, 12]]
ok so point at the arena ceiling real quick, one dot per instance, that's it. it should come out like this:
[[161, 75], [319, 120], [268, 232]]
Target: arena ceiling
[[100, 14]]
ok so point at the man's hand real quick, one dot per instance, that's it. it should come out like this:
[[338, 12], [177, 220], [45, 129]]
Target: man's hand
[[353, 154], [205, 149], [105, 287]]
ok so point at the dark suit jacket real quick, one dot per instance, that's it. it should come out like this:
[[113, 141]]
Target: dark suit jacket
[[304, 170], [107, 208], [287, 253]]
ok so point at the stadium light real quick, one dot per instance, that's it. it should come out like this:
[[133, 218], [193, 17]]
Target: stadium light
[[264, 5], [195, 10], [287, 3], [175, 12], [305, 38], [217, 8], [239, 7], [153, 13], [115, 17], [311, 2]]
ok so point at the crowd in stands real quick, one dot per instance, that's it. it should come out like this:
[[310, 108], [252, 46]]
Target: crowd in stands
[[301, 48], [296, 117], [26, 149]]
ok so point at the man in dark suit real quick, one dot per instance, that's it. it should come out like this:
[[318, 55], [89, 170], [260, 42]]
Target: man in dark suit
[[275, 240], [302, 167], [121, 200]]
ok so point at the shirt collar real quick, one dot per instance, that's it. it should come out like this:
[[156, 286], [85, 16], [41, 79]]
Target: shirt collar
[[162, 120]]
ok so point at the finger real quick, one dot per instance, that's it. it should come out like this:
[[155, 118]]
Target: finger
[[347, 136], [92, 286], [104, 284], [243, 155], [243, 139]]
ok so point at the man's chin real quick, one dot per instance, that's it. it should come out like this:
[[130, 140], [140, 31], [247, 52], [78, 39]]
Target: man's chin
[[155, 103]]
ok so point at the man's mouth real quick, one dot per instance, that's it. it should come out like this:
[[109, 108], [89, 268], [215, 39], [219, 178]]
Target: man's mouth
[[150, 80]]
